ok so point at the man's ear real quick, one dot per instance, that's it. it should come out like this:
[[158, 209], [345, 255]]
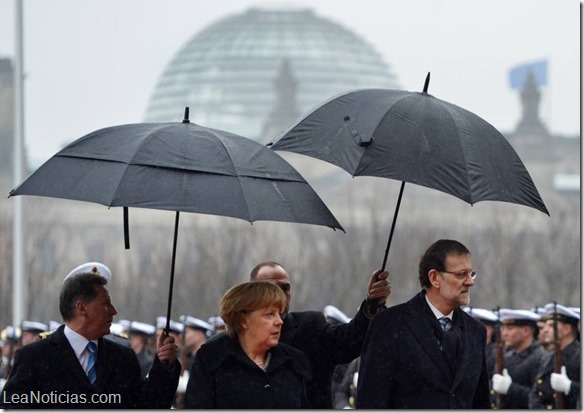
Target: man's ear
[[433, 277], [80, 307]]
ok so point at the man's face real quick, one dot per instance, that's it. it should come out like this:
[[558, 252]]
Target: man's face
[[454, 289], [194, 338], [99, 314], [278, 276], [137, 342], [547, 333], [516, 337], [28, 337]]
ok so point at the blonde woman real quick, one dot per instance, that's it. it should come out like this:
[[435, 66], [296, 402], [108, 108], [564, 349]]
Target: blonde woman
[[248, 367]]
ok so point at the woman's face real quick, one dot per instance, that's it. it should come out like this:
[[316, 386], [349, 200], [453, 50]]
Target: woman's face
[[262, 327]]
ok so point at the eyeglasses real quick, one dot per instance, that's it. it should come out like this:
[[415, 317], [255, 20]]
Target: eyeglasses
[[463, 274]]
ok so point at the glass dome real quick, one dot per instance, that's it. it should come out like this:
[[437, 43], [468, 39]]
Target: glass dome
[[226, 73]]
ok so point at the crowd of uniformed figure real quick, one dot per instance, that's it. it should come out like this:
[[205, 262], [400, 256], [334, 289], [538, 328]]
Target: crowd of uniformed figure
[[527, 338], [532, 356]]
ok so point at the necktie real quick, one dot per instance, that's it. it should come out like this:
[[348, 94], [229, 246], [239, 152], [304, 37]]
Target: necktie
[[450, 342], [91, 369], [445, 323]]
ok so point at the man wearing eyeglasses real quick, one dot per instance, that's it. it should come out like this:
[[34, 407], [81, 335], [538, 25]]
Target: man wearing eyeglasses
[[428, 353]]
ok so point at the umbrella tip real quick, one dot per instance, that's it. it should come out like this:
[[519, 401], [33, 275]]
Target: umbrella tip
[[426, 83], [186, 119]]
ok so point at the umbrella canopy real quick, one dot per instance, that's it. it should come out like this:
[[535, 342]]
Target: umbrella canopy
[[417, 138], [181, 167]]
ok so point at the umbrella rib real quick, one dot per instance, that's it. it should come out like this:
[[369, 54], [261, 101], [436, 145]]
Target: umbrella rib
[[216, 135], [452, 113]]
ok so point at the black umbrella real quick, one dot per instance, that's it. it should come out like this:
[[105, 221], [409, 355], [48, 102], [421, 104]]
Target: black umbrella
[[416, 138], [179, 167]]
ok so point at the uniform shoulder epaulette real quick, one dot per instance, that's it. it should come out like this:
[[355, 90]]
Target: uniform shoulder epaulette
[[45, 334]]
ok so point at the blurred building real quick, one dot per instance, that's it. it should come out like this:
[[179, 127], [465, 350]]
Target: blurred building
[[232, 73], [553, 161]]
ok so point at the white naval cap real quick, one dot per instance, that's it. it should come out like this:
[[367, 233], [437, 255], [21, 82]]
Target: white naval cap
[[482, 314], [117, 328], [562, 313], [216, 321], [96, 268], [332, 312], [34, 326], [541, 311], [138, 327], [125, 323], [173, 325], [510, 316], [10, 333], [196, 323], [53, 325]]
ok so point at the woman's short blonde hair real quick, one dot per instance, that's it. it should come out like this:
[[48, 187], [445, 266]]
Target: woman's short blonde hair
[[244, 298]]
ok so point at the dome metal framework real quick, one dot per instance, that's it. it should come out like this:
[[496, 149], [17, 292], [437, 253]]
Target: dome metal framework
[[226, 73]]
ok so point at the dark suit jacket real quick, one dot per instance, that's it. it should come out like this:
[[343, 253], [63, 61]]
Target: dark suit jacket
[[402, 366], [326, 345], [47, 374]]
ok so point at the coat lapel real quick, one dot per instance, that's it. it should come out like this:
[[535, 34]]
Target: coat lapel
[[464, 356], [68, 361], [289, 328], [420, 327]]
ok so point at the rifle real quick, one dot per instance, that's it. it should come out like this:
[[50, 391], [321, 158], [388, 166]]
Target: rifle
[[559, 396], [499, 361]]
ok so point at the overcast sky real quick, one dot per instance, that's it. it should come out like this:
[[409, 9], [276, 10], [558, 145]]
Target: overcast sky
[[94, 63]]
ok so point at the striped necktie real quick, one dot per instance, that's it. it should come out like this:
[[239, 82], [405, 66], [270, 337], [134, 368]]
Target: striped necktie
[[445, 323], [91, 369]]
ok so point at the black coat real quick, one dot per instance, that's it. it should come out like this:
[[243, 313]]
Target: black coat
[[223, 377], [402, 366], [145, 359], [326, 345], [50, 368], [522, 368], [541, 395]]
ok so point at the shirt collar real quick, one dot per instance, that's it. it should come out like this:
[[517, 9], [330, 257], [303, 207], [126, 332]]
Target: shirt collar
[[77, 341], [437, 312]]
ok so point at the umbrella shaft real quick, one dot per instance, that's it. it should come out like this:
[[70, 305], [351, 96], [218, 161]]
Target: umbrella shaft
[[167, 329], [401, 191]]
